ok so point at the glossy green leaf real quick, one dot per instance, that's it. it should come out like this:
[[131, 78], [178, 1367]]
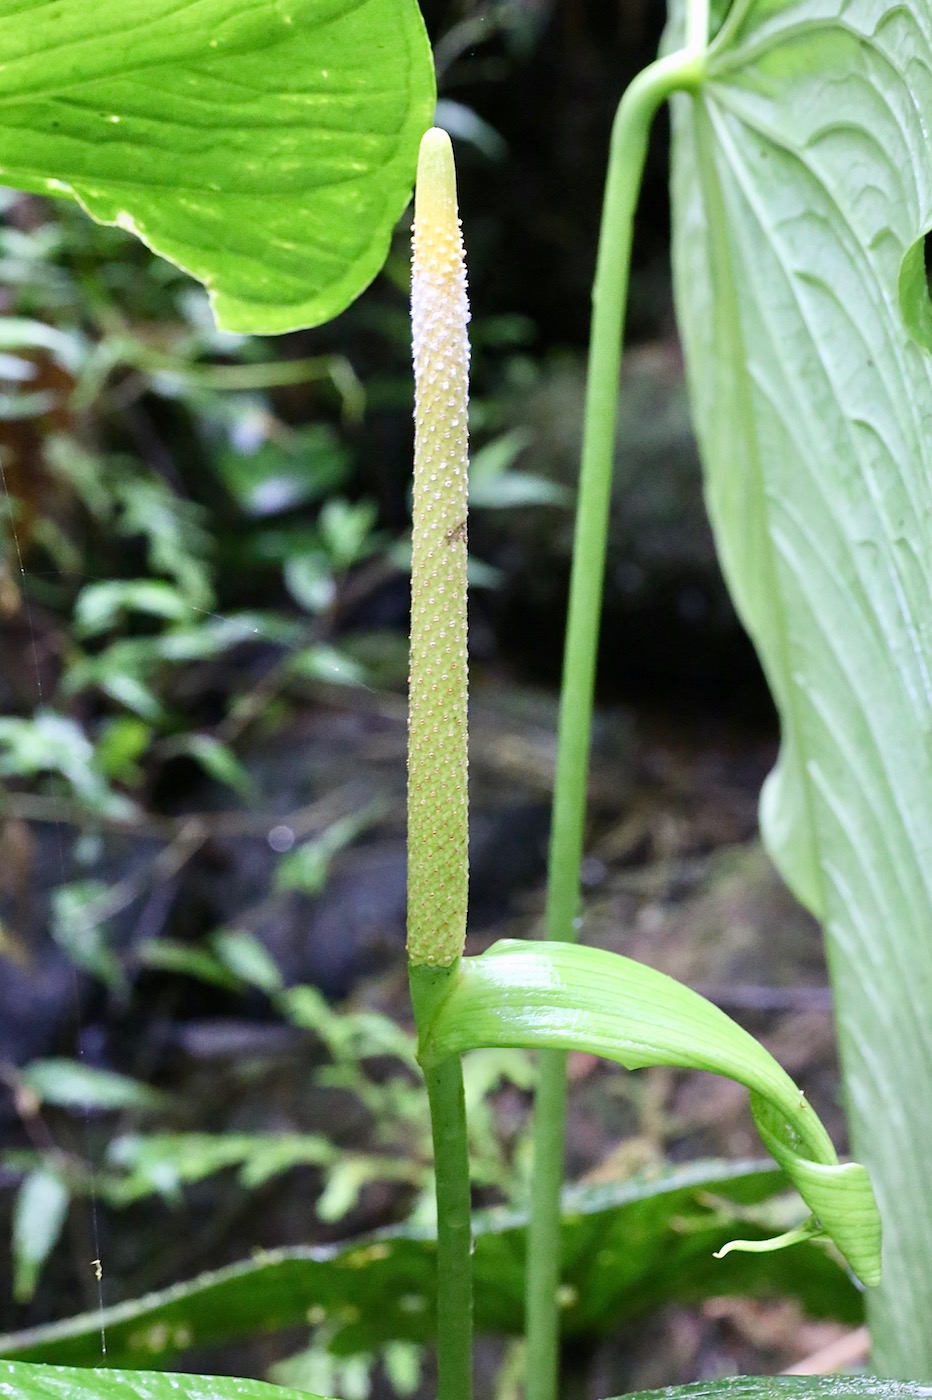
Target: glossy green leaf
[[276, 477], [164, 1162], [790, 1388], [265, 146], [219, 761], [802, 197], [79, 917], [325, 663], [494, 483], [39, 1213], [103, 605], [169, 956], [70, 1084], [307, 867], [564, 996], [246, 958], [22, 1381], [627, 1249]]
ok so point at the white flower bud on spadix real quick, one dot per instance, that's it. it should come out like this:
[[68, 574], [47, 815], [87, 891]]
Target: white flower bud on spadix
[[438, 868]]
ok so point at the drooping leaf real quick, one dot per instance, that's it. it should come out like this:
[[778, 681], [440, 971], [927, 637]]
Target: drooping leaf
[[568, 997], [265, 146], [21, 1381], [802, 200], [626, 1249]]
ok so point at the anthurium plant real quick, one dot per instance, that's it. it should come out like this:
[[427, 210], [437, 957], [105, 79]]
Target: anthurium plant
[[268, 148]]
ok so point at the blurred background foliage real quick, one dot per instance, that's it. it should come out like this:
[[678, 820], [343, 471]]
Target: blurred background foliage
[[203, 614]]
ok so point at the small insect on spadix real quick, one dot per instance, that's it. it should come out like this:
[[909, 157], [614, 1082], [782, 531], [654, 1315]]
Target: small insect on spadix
[[437, 757]]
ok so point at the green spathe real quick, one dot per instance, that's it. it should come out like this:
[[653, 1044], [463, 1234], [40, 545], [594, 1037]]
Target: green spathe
[[265, 146], [566, 997]]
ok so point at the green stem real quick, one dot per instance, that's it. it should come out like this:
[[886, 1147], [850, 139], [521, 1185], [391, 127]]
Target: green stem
[[697, 26], [454, 1206], [630, 133]]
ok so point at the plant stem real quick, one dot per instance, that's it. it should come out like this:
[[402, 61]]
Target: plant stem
[[454, 1233], [697, 26], [454, 1222], [628, 150]]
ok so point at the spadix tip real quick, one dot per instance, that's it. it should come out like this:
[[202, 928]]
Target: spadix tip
[[435, 193]]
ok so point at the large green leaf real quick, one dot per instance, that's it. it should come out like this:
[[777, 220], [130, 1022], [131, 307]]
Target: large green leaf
[[626, 1250], [265, 146], [563, 996], [21, 1381], [789, 1388], [802, 193]]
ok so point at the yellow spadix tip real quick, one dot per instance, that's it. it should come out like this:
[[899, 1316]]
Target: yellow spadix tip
[[435, 192]]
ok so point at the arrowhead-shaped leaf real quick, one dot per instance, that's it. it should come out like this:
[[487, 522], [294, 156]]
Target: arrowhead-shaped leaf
[[803, 193], [265, 146]]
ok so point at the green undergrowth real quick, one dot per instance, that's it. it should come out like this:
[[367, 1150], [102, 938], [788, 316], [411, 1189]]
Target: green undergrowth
[[627, 1249]]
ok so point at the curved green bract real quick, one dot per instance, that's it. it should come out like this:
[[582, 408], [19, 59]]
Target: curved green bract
[[265, 146], [561, 996], [20, 1380]]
